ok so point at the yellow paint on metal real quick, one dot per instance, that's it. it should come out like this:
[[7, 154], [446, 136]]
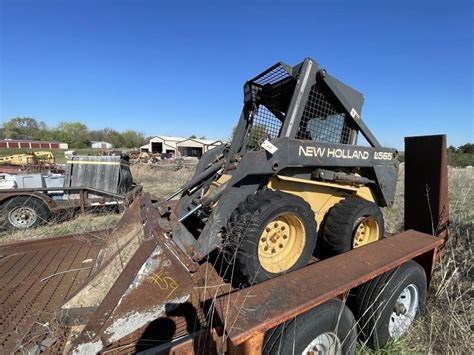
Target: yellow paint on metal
[[281, 243], [367, 231], [94, 162], [28, 158], [215, 184], [321, 196]]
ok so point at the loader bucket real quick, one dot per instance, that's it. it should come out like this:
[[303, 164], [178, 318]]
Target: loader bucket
[[137, 277]]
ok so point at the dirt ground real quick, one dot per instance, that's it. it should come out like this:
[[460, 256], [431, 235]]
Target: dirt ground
[[445, 325]]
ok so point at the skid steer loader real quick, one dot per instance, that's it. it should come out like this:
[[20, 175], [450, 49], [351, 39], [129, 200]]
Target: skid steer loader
[[292, 184], [292, 180]]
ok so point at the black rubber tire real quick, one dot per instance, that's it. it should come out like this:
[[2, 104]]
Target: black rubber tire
[[341, 222], [375, 300], [247, 223], [293, 337], [39, 207]]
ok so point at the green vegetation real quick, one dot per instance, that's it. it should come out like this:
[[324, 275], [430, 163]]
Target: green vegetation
[[76, 134], [461, 156]]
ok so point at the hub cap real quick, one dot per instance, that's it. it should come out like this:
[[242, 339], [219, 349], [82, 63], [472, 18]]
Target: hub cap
[[367, 231], [324, 344], [281, 243], [22, 217], [404, 311]]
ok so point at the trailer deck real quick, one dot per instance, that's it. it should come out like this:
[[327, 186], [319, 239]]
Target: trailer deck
[[37, 278], [33, 285]]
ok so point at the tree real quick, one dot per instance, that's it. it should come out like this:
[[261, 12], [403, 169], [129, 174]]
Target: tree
[[203, 137], [257, 135], [109, 135], [76, 134], [22, 128], [232, 134], [467, 148], [133, 139], [193, 136]]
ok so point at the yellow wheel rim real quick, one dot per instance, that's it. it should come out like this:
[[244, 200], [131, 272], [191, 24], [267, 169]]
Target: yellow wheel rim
[[367, 231], [281, 243]]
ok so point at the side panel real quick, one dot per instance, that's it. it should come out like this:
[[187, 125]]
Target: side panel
[[321, 196], [426, 185], [323, 280]]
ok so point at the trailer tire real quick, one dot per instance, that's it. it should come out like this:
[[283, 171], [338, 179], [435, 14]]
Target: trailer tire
[[331, 323], [23, 212], [349, 224], [377, 302], [271, 233]]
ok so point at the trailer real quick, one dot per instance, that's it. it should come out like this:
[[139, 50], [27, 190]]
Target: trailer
[[29, 200], [128, 290], [27, 208]]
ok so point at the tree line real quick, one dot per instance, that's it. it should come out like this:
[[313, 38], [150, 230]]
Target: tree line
[[461, 156], [76, 134]]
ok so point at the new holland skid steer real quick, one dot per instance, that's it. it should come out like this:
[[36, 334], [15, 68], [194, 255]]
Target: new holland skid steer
[[291, 206], [293, 178]]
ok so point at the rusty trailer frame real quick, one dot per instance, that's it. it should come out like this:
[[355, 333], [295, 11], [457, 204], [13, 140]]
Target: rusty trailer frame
[[43, 282]]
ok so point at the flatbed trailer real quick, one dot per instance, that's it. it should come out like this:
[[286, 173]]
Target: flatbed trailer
[[43, 203], [155, 305]]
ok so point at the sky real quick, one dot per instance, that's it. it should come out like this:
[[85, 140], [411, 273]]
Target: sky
[[178, 67]]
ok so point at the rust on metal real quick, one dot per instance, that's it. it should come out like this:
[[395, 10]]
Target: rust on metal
[[253, 346], [255, 310], [152, 284], [426, 185], [36, 277]]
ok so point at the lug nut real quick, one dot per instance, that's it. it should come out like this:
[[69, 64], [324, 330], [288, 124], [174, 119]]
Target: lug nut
[[264, 239], [266, 248], [267, 229], [285, 236], [281, 245], [273, 251]]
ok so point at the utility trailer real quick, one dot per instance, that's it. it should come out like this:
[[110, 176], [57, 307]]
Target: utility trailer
[[128, 290], [90, 182], [26, 208]]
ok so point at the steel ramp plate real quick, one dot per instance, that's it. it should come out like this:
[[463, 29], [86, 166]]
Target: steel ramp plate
[[254, 310], [34, 284]]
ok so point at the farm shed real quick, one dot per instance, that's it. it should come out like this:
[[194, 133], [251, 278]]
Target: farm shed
[[162, 144], [31, 144], [193, 147], [179, 146], [101, 145]]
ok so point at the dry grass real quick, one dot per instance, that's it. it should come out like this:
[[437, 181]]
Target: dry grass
[[446, 325], [81, 224], [161, 181]]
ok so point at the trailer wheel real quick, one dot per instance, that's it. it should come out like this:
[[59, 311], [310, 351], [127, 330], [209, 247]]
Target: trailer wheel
[[271, 233], [327, 329], [25, 212], [387, 305], [350, 224]]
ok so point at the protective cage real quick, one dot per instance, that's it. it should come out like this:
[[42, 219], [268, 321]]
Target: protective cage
[[323, 121], [270, 92], [323, 118]]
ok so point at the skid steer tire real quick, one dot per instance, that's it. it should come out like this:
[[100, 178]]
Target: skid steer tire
[[23, 212], [272, 233], [386, 306], [327, 329], [345, 222]]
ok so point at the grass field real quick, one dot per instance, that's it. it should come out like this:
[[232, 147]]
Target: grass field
[[445, 325]]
